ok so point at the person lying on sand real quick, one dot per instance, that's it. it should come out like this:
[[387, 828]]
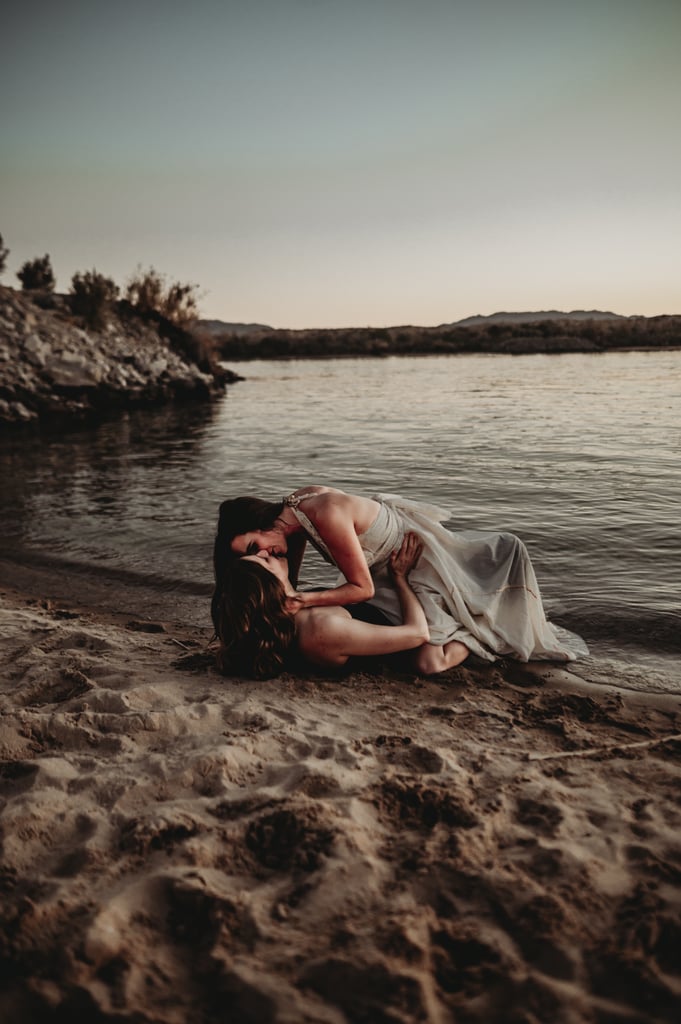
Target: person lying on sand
[[261, 620], [478, 588]]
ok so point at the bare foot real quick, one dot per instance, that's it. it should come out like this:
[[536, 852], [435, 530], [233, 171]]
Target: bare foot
[[430, 659]]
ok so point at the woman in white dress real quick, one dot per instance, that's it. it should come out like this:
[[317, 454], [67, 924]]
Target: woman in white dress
[[478, 589]]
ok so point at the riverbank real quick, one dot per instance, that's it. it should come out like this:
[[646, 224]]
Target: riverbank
[[56, 369], [499, 845]]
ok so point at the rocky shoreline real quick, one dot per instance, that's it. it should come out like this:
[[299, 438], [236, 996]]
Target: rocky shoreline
[[53, 368]]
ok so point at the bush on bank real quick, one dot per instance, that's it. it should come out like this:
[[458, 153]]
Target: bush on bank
[[148, 293], [4, 253], [92, 297], [37, 274]]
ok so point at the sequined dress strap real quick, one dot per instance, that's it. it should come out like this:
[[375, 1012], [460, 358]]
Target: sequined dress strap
[[293, 502]]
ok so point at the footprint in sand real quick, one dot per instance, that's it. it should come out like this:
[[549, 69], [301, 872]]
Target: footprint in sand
[[108, 702], [79, 856], [77, 862], [541, 817], [666, 867], [402, 752], [321, 748], [284, 716], [462, 963], [305, 779], [371, 991], [537, 926], [200, 915], [647, 925], [59, 686], [157, 832], [546, 863], [421, 806], [110, 676], [17, 777], [639, 809], [78, 640], [289, 837], [419, 759]]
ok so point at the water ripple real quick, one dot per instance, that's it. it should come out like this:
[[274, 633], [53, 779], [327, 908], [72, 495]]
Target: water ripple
[[578, 453]]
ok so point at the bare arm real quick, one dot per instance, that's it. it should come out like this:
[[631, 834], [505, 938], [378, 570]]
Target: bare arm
[[333, 638], [294, 556], [334, 520], [400, 565]]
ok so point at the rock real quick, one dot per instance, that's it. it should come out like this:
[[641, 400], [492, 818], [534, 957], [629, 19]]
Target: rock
[[74, 370], [51, 368], [15, 412], [159, 366], [36, 350]]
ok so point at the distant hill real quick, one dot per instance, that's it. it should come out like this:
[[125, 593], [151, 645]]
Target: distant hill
[[217, 327], [529, 318], [222, 327]]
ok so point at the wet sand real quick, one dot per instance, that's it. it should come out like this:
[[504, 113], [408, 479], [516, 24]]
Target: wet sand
[[500, 845]]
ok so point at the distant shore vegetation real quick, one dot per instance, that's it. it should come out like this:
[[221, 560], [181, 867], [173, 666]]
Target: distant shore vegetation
[[535, 336]]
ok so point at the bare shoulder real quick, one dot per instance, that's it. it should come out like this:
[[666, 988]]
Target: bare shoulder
[[331, 499], [331, 509], [339, 511], [321, 622], [321, 633], [331, 618], [323, 504]]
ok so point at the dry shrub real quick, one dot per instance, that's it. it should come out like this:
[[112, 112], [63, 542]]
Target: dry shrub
[[92, 297], [37, 274]]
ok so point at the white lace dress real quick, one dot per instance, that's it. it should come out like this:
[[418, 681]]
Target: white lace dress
[[475, 586]]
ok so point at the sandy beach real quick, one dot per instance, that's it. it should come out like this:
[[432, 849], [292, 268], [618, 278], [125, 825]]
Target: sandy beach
[[501, 844]]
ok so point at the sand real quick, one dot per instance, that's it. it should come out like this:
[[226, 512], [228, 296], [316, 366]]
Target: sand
[[501, 844]]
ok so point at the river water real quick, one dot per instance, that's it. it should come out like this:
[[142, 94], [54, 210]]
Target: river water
[[579, 454]]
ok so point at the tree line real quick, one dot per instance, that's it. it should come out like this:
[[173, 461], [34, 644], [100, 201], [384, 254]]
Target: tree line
[[541, 336]]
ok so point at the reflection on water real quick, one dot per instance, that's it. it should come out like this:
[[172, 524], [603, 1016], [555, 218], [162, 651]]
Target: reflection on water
[[112, 492], [579, 454]]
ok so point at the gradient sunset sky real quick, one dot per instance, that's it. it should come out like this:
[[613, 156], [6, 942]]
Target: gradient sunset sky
[[318, 163]]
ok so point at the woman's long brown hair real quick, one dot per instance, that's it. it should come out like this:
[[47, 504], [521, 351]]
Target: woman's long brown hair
[[237, 516], [255, 630]]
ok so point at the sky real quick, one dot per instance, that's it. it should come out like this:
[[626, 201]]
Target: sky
[[335, 163]]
